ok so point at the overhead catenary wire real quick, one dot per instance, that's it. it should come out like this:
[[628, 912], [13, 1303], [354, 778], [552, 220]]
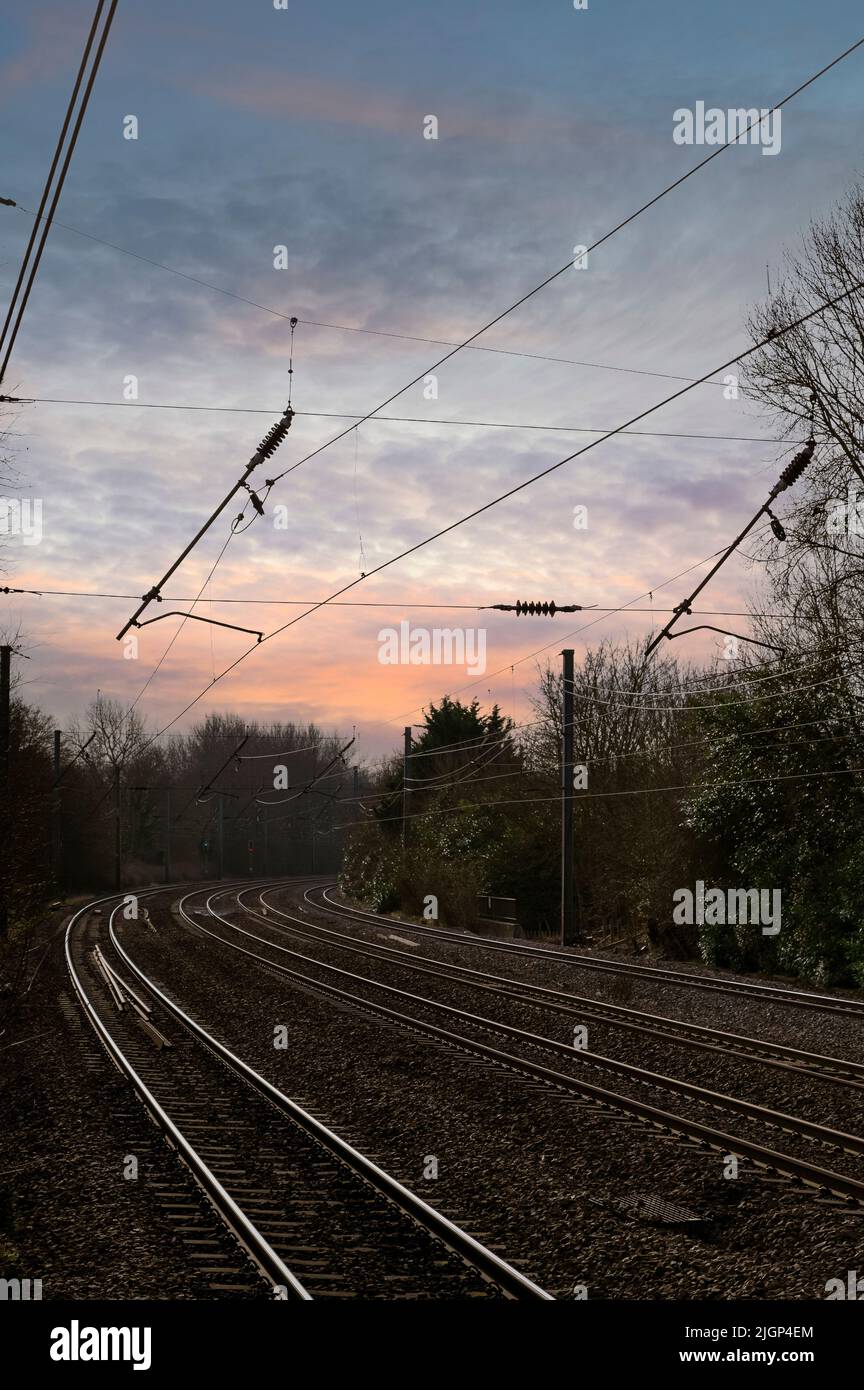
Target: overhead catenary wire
[[556, 642], [293, 815], [714, 153], [660, 755], [622, 608], [49, 180], [684, 693], [523, 299], [545, 472], [634, 791], [409, 419], [469, 342], [420, 604], [745, 677], [481, 740], [483, 757], [517, 488], [607, 236], [11, 329], [720, 704], [529, 656], [337, 757], [471, 745], [283, 753], [382, 795], [339, 327], [519, 661]]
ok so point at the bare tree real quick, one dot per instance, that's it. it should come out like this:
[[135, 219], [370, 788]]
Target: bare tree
[[120, 734], [812, 379]]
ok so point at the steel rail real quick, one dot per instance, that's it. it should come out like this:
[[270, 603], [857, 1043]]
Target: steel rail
[[828, 1003], [792, 1124], [814, 1176], [838, 1070], [250, 1238], [490, 1265]]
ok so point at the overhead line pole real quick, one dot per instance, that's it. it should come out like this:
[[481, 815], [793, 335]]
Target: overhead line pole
[[55, 813], [56, 828], [167, 834], [5, 817], [118, 829], [406, 773], [568, 925]]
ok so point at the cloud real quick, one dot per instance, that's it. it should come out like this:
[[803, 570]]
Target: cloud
[[266, 91], [384, 231], [49, 47]]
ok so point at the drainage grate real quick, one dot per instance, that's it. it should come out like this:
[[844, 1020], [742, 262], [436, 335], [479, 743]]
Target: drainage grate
[[654, 1210]]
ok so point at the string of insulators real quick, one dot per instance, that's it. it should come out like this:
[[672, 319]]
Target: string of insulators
[[776, 525], [273, 438], [546, 610], [255, 500], [794, 468], [294, 322]]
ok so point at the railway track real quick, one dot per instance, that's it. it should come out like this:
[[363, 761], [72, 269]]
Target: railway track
[[848, 1188], [316, 1218], [833, 1070], [794, 998]]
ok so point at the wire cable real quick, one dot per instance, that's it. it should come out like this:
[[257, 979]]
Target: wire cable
[[403, 604], [61, 140], [405, 419], [536, 289], [517, 488], [597, 796], [660, 755], [469, 342], [61, 178]]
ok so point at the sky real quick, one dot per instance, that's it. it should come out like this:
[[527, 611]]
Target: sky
[[303, 128]]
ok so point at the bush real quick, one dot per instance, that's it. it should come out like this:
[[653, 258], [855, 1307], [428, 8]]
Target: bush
[[455, 884], [377, 873], [369, 869], [738, 947]]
